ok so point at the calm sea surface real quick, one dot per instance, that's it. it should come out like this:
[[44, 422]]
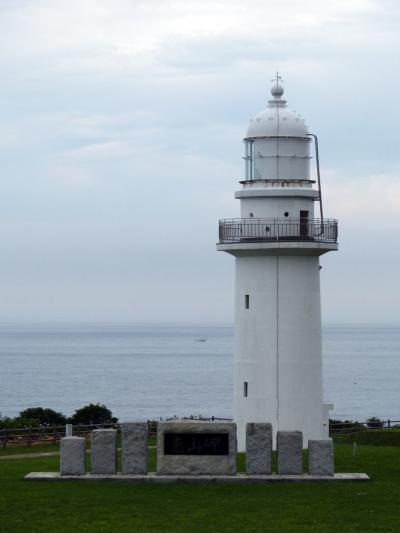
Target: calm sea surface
[[143, 372]]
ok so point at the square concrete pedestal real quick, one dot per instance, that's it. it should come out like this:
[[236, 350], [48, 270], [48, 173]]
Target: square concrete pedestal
[[320, 457], [72, 456], [258, 448], [134, 447], [103, 452], [289, 447]]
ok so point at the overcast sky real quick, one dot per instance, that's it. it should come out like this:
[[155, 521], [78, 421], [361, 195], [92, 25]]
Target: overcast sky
[[121, 126]]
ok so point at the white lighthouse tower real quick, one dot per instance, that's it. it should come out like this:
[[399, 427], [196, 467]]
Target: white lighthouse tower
[[277, 243]]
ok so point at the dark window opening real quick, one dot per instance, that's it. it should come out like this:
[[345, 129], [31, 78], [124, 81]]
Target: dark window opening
[[245, 389], [286, 214], [247, 301]]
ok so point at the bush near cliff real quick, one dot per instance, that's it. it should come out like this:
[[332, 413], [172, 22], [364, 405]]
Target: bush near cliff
[[94, 413], [47, 417], [43, 417], [18, 423]]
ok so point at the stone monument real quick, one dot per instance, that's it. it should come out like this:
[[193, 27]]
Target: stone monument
[[196, 448], [196, 452]]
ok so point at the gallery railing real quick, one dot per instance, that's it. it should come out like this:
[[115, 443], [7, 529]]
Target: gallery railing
[[241, 230]]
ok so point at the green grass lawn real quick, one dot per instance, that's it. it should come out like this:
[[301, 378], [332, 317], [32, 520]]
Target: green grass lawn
[[106, 507], [37, 448]]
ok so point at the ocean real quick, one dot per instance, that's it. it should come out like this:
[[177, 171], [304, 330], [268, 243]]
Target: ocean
[[153, 371]]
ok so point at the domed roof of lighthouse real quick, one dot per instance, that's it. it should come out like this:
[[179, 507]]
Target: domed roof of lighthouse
[[277, 120]]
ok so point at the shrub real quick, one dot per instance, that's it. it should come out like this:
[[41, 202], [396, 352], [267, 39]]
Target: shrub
[[18, 423], [375, 422], [93, 414], [47, 417]]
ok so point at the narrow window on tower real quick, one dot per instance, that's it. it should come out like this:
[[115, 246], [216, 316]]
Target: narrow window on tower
[[247, 301], [245, 389]]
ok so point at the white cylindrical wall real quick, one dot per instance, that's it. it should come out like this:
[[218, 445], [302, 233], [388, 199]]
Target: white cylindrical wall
[[278, 344], [276, 207]]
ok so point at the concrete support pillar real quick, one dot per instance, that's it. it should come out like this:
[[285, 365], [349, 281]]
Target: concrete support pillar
[[258, 448], [320, 457], [289, 445], [72, 456], [134, 448], [103, 452]]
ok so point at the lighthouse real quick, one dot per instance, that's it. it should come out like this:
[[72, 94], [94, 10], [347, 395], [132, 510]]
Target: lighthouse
[[276, 243]]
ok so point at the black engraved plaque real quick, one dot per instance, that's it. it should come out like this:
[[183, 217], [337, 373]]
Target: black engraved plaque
[[196, 444]]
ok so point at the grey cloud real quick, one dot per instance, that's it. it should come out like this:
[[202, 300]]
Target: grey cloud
[[116, 165]]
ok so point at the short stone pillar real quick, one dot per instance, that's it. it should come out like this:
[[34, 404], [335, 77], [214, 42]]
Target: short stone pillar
[[134, 448], [68, 430], [320, 457], [258, 448], [72, 456], [289, 447], [103, 452], [196, 448]]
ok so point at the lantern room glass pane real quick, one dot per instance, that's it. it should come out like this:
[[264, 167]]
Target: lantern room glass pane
[[249, 160]]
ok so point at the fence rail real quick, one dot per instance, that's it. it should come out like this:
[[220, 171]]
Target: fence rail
[[276, 229], [53, 434], [338, 427], [44, 435]]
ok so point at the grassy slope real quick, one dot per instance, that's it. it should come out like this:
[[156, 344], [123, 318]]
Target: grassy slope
[[108, 507]]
